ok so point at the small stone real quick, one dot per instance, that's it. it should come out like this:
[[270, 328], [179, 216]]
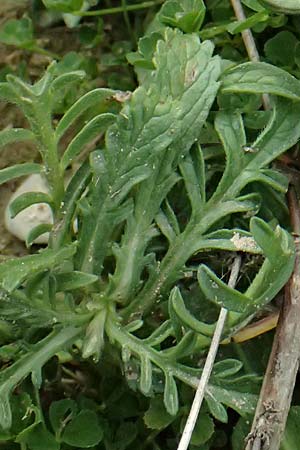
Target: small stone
[[40, 213]]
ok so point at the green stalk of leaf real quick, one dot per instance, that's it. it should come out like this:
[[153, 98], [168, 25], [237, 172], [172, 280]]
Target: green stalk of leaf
[[240, 170]]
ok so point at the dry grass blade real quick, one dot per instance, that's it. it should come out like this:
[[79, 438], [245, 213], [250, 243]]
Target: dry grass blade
[[279, 381], [200, 392]]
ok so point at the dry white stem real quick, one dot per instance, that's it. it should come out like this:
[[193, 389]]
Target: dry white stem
[[200, 392]]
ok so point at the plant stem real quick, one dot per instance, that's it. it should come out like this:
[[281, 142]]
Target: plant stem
[[278, 385], [249, 43], [211, 356], [119, 9], [60, 232], [171, 265], [130, 29], [246, 34], [138, 234], [43, 51], [179, 252]]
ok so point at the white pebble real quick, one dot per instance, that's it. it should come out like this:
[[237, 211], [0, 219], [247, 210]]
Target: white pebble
[[40, 213]]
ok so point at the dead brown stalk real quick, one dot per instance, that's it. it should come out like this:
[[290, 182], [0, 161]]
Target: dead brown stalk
[[279, 381]]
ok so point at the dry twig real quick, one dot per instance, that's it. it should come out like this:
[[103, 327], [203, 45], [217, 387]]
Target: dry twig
[[249, 43], [278, 385]]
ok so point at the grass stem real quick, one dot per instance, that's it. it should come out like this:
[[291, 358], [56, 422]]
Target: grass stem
[[119, 9]]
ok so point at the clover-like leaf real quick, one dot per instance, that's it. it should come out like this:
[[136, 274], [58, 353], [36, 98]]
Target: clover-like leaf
[[187, 15], [204, 429], [61, 412], [156, 417], [18, 33], [83, 431]]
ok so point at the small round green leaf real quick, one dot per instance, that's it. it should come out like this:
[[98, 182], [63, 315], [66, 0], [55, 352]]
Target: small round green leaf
[[38, 436], [157, 417], [203, 430], [275, 49], [60, 410], [17, 32], [83, 431]]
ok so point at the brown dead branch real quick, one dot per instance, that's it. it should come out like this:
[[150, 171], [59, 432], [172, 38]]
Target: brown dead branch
[[279, 381]]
